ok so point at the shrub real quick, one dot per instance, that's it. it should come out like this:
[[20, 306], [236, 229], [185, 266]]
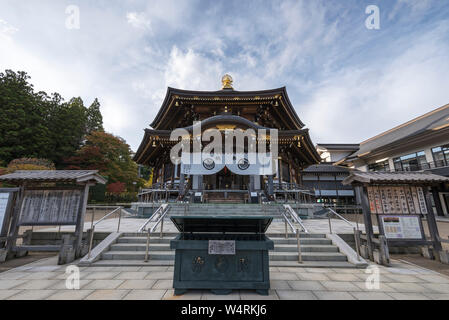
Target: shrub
[[30, 164]]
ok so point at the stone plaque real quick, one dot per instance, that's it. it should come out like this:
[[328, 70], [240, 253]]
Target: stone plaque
[[225, 247]]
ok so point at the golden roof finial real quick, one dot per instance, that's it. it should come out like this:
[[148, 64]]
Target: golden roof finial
[[227, 82]]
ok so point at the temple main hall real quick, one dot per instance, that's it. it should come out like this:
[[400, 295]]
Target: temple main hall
[[226, 109]]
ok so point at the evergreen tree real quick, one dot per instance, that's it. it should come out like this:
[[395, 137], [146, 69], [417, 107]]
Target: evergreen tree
[[35, 125], [94, 121], [23, 132]]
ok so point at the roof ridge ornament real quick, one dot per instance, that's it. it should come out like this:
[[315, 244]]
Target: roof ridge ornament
[[226, 82]]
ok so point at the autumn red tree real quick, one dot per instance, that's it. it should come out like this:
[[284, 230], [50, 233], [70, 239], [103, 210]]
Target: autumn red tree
[[116, 187], [109, 154]]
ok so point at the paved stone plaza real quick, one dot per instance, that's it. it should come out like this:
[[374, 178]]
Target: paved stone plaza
[[133, 224], [46, 280]]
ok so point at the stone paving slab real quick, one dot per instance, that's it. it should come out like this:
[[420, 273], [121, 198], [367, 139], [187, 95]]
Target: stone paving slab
[[133, 225], [145, 295], [295, 295], [333, 295], [107, 295], [371, 296], [32, 295], [70, 295], [45, 280], [137, 284]]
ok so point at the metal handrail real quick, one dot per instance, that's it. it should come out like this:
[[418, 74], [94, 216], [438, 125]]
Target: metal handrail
[[149, 231], [289, 223], [296, 233], [339, 216], [92, 226], [155, 213], [295, 217]]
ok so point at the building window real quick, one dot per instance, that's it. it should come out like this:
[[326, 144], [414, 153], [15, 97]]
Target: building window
[[382, 166], [441, 156], [411, 162]]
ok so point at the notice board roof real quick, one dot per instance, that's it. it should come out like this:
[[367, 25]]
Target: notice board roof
[[394, 178], [77, 176]]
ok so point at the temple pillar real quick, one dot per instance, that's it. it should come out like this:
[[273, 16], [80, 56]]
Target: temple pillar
[[197, 182], [181, 183], [251, 183], [270, 185], [256, 182]]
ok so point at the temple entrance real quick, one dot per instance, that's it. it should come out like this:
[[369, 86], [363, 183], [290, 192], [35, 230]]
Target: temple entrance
[[225, 186], [226, 180]]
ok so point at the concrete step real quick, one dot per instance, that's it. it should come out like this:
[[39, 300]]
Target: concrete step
[[138, 255], [140, 247], [305, 248], [274, 256], [155, 234], [312, 264], [307, 256], [304, 241], [137, 240], [167, 263], [272, 235], [166, 247], [132, 263]]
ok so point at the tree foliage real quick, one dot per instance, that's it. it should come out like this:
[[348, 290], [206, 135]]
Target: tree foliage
[[110, 155], [36, 125], [30, 164]]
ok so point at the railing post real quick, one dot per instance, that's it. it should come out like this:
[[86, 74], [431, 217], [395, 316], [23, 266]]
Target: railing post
[[330, 224], [162, 227], [286, 231], [147, 247], [93, 217], [119, 219], [298, 241], [357, 243], [92, 231]]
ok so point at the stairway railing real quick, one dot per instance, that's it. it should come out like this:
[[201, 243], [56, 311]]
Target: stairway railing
[[295, 232], [164, 210], [289, 210], [155, 214], [355, 229], [92, 228]]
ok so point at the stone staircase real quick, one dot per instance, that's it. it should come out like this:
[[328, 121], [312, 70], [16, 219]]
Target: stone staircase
[[224, 209], [317, 250]]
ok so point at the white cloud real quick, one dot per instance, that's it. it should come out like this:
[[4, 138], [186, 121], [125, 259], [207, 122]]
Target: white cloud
[[6, 30], [358, 103], [139, 20], [346, 83], [191, 70]]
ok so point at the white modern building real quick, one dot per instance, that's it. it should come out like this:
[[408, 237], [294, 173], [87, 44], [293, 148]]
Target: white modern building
[[421, 144]]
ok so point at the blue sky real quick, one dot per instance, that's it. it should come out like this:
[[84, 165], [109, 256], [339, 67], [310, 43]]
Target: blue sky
[[347, 82]]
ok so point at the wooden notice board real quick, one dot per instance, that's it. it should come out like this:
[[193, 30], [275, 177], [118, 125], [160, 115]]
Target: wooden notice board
[[50, 207], [396, 200]]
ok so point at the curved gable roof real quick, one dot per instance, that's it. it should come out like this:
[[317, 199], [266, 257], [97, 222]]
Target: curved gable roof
[[226, 95]]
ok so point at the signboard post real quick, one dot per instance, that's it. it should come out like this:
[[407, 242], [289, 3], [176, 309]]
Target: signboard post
[[399, 200], [7, 198]]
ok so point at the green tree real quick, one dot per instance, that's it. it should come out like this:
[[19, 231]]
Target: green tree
[[94, 121], [66, 124], [23, 132], [36, 125]]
